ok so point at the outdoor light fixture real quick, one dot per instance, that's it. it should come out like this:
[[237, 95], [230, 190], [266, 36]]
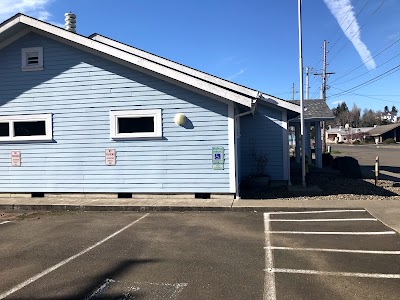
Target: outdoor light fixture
[[180, 119]]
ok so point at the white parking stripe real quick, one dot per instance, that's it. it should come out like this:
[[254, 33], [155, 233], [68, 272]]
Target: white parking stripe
[[5, 222], [316, 211], [336, 232], [344, 274], [60, 264], [269, 279], [337, 250], [323, 220]]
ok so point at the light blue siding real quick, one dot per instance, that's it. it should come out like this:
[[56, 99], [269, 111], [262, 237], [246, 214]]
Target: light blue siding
[[80, 89], [264, 130]]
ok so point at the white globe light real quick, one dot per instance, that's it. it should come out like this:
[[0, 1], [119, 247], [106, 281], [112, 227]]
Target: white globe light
[[180, 119]]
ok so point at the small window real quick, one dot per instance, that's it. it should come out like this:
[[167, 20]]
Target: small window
[[4, 129], [26, 128], [32, 59], [31, 128], [135, 124]]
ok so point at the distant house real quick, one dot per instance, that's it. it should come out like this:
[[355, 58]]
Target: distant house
[[383, 132], [92, 115], [342, 134], [389, 117]]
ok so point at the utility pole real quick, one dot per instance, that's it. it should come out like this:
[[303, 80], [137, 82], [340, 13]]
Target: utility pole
[[323, 93], [293, 91], [307, 82]]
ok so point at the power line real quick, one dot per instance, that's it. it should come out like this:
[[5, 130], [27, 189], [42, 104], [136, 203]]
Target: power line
[[350, 39], [355, 18], [362, 64], [370, 96], [368, 82], [367, 71]]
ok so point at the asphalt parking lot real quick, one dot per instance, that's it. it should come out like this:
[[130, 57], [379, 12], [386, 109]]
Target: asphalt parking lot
[[366, 154], [198, 255]]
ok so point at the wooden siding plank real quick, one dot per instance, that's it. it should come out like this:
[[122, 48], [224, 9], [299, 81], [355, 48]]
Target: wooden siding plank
[[80, 89]]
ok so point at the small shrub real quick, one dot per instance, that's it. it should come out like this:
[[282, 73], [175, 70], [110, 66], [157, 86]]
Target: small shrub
[[341, 142], [356, 142], [390, 141], [327, 159], [348, 166]]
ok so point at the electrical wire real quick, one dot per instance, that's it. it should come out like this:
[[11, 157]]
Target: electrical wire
[[362, 64], [368, 82], [370, 96], [355, 18], [350, 39]]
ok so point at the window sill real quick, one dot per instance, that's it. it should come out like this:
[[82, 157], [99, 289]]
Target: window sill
[[30, 69]]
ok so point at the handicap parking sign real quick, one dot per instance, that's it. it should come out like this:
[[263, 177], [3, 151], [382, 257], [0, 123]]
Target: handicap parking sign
[[218, 158]]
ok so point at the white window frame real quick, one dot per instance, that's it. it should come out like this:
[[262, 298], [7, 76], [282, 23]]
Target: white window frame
[[155, 113], [24, 63], [47, 118]]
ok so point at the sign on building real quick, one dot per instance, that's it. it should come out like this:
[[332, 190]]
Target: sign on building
[[218, 158], [16, 158], [110, 157]]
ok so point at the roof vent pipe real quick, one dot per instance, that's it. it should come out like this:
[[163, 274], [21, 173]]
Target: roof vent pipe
[[70, 22]]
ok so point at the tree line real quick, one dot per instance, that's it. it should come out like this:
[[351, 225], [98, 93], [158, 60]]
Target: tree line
[[355, 119]]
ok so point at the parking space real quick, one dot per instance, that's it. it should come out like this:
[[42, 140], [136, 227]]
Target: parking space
[[340, 254], [133, 256]]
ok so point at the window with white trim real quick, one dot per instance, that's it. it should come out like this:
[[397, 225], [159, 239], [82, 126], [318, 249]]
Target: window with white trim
[[26, 128], [131, 124], [32, 59]]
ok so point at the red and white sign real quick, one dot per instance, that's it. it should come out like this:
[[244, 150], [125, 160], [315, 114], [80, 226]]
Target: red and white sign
[[110, 157], [16, 158]]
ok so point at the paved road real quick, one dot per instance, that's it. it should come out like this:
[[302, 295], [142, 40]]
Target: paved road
[[389, 158], [197, 255]]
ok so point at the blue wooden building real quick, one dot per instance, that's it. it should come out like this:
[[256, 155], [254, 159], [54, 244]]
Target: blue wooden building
[[92, 115]]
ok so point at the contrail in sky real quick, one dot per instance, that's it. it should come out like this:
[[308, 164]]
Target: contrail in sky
[[344, 14]]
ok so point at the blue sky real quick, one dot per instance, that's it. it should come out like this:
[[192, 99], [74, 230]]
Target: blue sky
[[254, 42]]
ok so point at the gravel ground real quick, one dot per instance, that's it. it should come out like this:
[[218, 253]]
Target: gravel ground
[[329, 185]]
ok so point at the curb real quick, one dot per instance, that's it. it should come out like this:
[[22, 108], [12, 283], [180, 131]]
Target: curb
[[56, 207]]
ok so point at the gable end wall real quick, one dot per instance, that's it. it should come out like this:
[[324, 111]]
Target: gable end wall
[[80, 89]]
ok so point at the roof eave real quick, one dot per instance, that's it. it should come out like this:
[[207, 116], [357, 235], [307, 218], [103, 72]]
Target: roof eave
[[133, 60]]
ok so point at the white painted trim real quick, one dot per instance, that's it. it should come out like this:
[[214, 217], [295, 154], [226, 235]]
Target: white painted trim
[[53, 31], [47, 118], [139, 113], [279, 102], [285, 147], [316, 211], [323, 220], [232, 151], [176, 66], [341, 274], [336, 232], [65, 261], [269, 276], [24, 54], [14, 38], [388, 252]]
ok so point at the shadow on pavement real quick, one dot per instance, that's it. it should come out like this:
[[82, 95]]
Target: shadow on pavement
[[325, 182], [101, 284]]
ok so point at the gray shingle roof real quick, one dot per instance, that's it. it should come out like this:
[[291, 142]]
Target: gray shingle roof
[[315, 109], [382, 129]]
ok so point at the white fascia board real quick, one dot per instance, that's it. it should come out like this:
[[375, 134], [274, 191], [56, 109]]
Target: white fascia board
[[14, 38], [10, 24], [135, 60], [281, 103], [176, 66]]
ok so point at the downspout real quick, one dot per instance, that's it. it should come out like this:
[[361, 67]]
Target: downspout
[[251, 111]]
